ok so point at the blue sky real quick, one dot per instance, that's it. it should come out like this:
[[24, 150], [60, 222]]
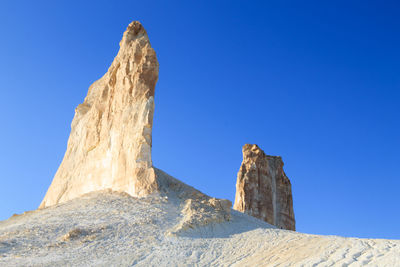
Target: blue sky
[[316, 82]]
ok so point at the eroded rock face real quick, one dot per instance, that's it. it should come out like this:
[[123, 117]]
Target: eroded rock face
[[263, 190], [109, 147], [110, 141]]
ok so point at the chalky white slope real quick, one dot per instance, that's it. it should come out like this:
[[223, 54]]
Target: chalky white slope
[[115, 229]]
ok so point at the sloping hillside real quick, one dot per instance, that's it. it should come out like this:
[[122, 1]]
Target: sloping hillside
[[114, 229]]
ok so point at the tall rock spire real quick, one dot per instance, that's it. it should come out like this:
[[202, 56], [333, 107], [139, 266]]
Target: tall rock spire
[[110, 141], [263, 190]]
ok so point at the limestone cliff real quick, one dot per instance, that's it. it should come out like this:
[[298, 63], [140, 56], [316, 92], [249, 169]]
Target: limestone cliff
[[110, 141], [263, 190]]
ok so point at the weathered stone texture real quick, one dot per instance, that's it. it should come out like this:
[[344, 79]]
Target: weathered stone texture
[[263, 190], [109, 147], [110, 141]]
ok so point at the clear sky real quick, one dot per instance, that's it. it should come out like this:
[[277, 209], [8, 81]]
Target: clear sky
[[316, 82]]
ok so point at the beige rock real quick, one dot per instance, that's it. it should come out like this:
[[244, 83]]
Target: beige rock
[[110, 141], [263, 190], [109, 147]]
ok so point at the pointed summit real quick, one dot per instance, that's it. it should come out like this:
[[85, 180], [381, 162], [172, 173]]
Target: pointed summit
[[134, 31], [110, 142]]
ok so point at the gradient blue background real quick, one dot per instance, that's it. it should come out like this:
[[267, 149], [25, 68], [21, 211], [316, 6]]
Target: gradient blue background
[[316, 82]]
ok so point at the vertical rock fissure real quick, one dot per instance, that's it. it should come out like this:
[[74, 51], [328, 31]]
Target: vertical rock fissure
[[275, 211]]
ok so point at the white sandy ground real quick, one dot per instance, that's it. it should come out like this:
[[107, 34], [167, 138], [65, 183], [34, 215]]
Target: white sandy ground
[[112, 229]]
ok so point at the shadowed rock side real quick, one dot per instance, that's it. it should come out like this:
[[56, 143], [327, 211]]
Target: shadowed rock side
[[263, 190], [110, 141]]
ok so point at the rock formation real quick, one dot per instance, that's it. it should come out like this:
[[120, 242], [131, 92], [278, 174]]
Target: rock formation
[[263, 190], [110, 141], [109, 147]]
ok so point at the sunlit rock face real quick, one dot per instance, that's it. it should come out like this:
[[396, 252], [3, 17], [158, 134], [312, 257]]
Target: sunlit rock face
[[263, 190], [110, 142]]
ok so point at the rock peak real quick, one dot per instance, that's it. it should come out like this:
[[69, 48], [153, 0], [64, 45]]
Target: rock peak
[[135, 30], [249, 149], [109, 147], [263, 190], [111, 134]]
